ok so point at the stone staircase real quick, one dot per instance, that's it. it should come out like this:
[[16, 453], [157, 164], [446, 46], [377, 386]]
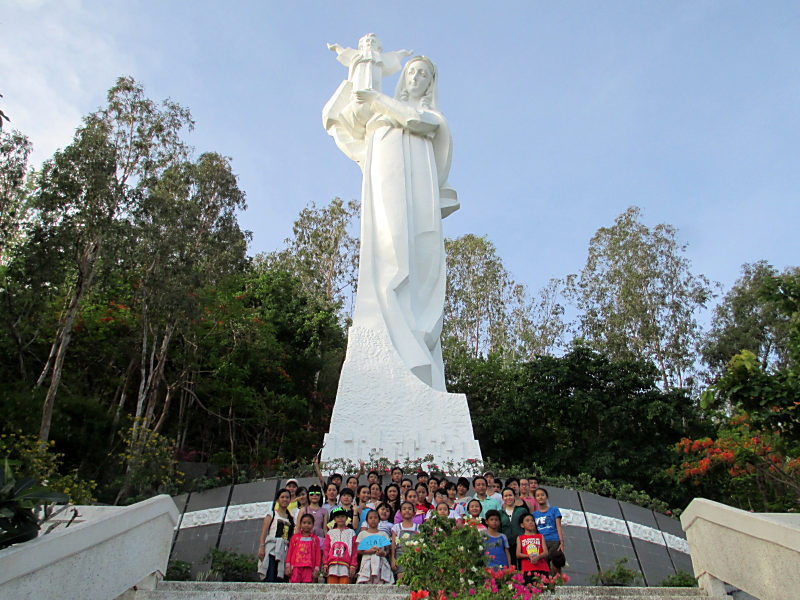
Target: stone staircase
[[190, 590]]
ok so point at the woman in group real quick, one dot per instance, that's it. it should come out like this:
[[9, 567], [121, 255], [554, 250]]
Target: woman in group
[[548, 522], [391, 496], [315, 509], [510, 514], [300, 502], [273, 543], [375, 495]]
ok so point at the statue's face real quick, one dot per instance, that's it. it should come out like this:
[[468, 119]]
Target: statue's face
[[418, 78], [370, 41]]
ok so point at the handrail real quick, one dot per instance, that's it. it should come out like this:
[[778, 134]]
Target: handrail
[[758, 553]]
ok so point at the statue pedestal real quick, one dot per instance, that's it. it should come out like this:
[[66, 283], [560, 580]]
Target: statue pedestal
[[381, 407]]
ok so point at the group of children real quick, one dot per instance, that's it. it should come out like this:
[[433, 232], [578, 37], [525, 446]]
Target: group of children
[[357, 532]]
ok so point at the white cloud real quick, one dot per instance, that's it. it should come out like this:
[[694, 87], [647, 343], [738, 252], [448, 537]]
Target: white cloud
[[56, 58]]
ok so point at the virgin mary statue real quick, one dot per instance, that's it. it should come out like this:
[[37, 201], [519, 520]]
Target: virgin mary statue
[[403, 147]]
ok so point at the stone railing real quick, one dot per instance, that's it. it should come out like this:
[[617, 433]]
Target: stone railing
[[100, 557], [758, 553]]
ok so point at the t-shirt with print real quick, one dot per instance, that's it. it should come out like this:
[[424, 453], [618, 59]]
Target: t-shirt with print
[[546, 523]]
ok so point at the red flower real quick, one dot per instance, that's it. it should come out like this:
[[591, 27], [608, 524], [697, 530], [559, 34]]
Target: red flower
[[419, 594]]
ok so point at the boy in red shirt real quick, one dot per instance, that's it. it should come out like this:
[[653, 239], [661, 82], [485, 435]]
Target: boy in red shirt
[[531, 551]]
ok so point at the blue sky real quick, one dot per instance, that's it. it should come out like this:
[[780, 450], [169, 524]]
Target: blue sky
[[563, 114]]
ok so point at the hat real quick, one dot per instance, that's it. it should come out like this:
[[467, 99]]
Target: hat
[[338, 511], [288, 481]]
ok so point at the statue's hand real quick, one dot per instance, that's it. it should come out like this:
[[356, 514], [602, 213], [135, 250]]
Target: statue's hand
[[365, 96], [335, 48]]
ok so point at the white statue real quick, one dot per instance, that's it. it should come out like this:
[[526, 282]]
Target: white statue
[[404, 149], [369, 64], [394, 354]]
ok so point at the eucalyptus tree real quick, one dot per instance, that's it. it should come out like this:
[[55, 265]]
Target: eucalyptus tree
[[89, 189], [638, 297], [323, 251], [186, 239], [479, 294], [14, 151], [746, 319]]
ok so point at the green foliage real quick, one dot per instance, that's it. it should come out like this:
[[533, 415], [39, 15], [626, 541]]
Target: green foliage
[[148, 462], [37, 461], [323, 252], [448, 561], [638, 297], [227, 565], [618, 575], [443, 557], [605, 418], [680, 579], [18, 499], [487, 312], [178, 570], [746, 319]]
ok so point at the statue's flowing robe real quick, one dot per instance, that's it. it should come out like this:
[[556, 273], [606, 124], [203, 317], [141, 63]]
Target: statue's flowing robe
[[405, 160]]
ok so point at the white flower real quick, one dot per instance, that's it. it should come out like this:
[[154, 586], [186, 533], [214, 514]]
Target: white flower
[[461, 548]]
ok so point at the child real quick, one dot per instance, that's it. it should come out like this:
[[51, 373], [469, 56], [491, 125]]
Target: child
[[531, 550], [274, 540], [346, 503], [315, 510], [374, 566], [401, 533], [419, 510], [495, 543], [474, 508], [303, 558], [339, 554], [548, 522], [385, 514]]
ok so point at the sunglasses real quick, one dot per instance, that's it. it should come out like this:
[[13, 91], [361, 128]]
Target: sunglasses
[[315, 493]]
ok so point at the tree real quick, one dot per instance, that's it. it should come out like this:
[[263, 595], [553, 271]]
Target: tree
[[479, 292], [323, 252], [638, 297], [92, 185], [746, 320], [579, 413], [14, 151]]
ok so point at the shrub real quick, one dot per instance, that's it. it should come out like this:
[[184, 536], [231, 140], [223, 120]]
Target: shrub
[[447, 561], [618, 575], [680, 579], [232, 566], [178, 570], [38, 461]]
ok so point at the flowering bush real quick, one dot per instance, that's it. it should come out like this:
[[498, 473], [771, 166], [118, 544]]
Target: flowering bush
[[747, 461], [40, 462], [149, 463], [445, 561], [468, 467]]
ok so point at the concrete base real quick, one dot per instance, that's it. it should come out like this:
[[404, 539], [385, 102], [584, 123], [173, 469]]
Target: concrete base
[[384, 409]]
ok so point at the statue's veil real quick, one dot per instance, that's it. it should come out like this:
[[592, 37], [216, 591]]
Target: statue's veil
[[431, 97]]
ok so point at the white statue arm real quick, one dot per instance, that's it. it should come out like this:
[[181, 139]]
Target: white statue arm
[[346, 56], [421, 122], [391, 61]]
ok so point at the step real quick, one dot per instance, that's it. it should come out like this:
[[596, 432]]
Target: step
[[214, 590]]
